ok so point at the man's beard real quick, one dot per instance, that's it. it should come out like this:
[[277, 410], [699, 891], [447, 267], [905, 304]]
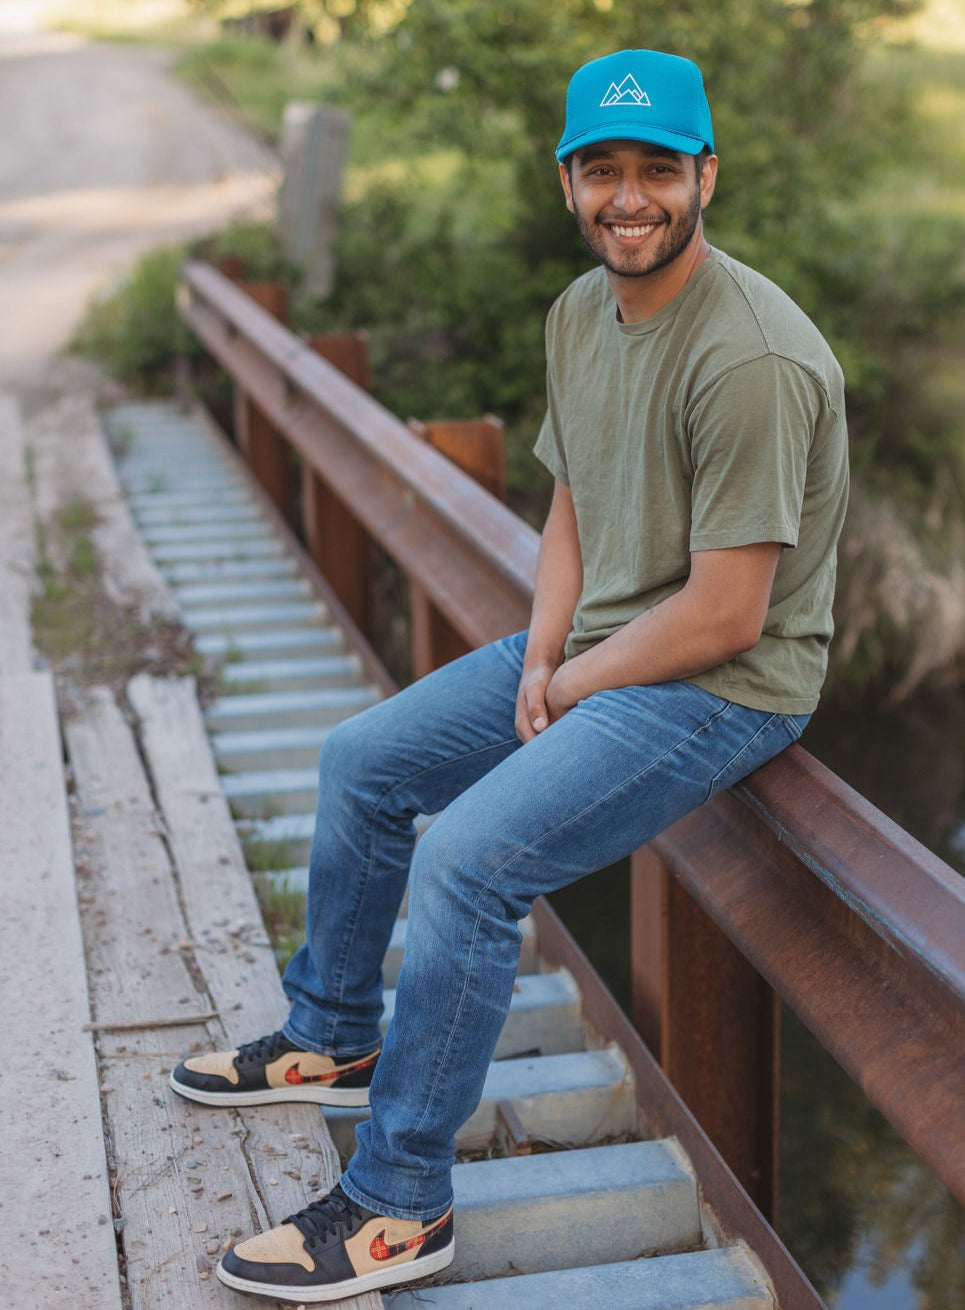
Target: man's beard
[[676, 237]]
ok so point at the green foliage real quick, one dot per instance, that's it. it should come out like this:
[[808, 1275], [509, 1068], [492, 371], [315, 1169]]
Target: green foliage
[[454, 240], [256, 244], [254, 79], [134, 329], [451, 257]]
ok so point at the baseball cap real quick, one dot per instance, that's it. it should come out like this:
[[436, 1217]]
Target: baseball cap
[[637, 95]]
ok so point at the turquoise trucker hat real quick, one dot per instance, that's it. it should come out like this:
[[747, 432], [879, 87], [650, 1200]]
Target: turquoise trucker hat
[[637, 95]]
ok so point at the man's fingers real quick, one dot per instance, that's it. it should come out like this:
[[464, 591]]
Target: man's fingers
[[536, 709], [532, 715]]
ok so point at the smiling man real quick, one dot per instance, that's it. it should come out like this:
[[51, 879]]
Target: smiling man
[[682, 613]]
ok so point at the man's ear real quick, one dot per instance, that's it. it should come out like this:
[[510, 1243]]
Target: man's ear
[[567, 186], [708, 180]]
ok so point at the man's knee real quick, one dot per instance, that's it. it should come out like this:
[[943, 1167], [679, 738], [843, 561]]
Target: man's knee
[[458, 862], [347, 753]]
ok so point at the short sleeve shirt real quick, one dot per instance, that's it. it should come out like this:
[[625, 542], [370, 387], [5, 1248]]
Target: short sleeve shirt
[[719, 422]]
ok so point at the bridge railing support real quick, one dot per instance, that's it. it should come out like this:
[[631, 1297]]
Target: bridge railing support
[[790, 886]]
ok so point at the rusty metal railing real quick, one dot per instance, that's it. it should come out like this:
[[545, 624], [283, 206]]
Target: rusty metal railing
[[792, 886]]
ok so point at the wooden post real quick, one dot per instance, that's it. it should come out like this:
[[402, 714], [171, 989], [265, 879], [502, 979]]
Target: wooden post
[[267, 454], [478, 447], [712, 1022], [336, 542]]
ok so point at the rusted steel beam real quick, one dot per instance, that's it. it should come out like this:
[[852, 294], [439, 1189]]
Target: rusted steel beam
[[374, 670], [666, 1114], [904, 892], [336, 540], [473, 557], [856, 926], [348, 351], [267, 454], [477, 446], [712, 1021]]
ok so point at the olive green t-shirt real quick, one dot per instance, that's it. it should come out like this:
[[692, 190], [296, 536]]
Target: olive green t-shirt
[[719, 422]]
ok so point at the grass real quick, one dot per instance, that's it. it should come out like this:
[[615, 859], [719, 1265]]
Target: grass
[[269, 856], [86, 636], [255, 80], [283, 912]]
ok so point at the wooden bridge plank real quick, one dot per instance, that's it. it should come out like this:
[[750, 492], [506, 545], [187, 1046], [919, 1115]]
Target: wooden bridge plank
[[181, 1178], [290, 1150], [57, 1243]]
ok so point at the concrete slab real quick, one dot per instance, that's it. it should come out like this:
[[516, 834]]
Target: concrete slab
[[545, 1016], [698, 1280], [572, 1208], [284, 709]]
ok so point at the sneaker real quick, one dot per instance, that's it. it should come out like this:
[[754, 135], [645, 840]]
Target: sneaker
[[273, 1069], [335, 1248]]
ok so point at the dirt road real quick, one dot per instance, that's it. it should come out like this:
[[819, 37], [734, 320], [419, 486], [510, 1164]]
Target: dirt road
[[102, 157]]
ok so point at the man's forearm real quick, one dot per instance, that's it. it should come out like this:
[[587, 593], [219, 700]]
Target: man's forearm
[[718, 614], [559, 581]]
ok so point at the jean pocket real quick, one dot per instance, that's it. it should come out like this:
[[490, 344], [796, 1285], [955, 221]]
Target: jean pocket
[[772, 735]]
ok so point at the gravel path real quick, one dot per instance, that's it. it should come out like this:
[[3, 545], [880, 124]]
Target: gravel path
[[103, 157]]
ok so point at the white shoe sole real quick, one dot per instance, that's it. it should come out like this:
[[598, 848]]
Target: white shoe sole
[[371, 1282], [351, 1096]]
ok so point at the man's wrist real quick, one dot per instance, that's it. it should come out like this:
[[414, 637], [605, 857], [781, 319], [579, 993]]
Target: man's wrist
[[540, 659]]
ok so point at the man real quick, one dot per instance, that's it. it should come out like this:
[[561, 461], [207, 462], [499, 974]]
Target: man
[[695, 428]]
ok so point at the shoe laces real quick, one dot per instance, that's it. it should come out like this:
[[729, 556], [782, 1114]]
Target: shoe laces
[[332, 1216], [264, 1049]]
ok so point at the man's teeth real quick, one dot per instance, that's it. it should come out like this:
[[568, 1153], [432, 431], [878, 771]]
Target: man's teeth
[[638, 230]]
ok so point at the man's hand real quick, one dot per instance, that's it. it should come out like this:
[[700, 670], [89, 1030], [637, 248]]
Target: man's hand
[[716, 615], [532, 711], [562, 693]]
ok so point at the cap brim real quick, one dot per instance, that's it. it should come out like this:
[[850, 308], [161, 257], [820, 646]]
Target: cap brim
[[631, 131]]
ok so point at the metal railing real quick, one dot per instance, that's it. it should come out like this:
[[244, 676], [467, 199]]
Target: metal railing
[[791, 886]]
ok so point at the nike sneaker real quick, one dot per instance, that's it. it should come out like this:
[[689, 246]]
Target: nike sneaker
[[273, 1069], [335, 1248]]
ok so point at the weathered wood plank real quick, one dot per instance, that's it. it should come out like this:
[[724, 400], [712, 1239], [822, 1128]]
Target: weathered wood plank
[[290, 1149], [182, 1183], [57, 1244], [16, 544], [129, 575], [222, 912]]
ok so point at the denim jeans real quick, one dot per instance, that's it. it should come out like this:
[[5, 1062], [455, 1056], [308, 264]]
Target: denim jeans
[[517, 821]]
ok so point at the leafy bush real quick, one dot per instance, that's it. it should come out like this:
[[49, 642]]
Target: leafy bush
[[454, 239], [134, 329]]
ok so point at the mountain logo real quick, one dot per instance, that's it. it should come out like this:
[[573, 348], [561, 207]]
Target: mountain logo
[[627, 93]]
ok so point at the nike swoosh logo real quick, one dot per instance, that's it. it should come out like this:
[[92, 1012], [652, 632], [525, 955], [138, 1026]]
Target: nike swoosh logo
[[294, 1075], [381, 1250]]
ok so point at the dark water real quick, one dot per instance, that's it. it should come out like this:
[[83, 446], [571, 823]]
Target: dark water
[[872, 1227]]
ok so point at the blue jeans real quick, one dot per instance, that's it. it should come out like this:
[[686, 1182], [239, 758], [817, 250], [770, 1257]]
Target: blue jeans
[[518, 821]]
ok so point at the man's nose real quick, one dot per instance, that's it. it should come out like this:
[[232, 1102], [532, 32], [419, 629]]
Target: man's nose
[[631, 195]]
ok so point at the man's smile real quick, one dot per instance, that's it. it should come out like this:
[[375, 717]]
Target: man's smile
[[632, 231]]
